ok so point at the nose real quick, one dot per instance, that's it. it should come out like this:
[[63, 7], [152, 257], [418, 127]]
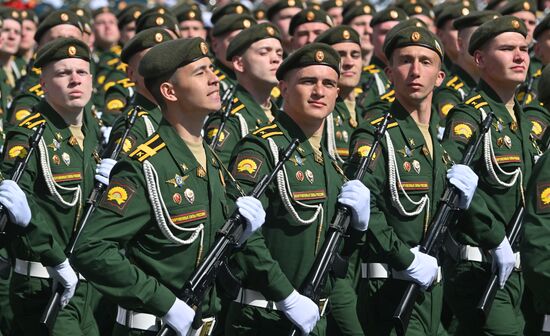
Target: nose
[[213, 79], [415, 69]]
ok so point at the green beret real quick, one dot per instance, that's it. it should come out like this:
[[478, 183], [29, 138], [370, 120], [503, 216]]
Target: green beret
[[353, 12], [232, 22], [282, 4], [307, 16], [475, 19], [412, 36], [544, 86], [494, 4], [102, 10], [129, 14], [339, 34], [248, 36], [145, 39], [56, 18], [310, 54], [389, 14], [543, 26], [151, 20], [182, 52], [352, 4], [493, 28], [10, 13], [232, 8], [188, 12], [412, 22], [61, 48], [451, 12], [157, 10], [326, 5], [30, 15], [82, 12], [419, 9], [514, 6]]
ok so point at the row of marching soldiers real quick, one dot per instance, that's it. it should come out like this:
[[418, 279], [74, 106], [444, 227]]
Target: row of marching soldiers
[[130, 141]]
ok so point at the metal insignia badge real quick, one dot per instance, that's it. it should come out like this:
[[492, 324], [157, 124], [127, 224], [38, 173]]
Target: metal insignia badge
[[416, 166], [66, 158], [177, 198], [299, 175], [309, 176], [189, 195], [507, 141], [407, 166], [56, 160]]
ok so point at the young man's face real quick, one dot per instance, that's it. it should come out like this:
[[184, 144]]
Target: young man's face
[[28, 28], [307, 33], [261, 61], [362, 25], [62, 30], [133, 68], [67, 83], [350, 64], [282, 21], [310, 93], [197, 87], [415, 71], [504, 59], [219, 46], [106, 29], [127, 32], [335, 14], [192, 28], [449, 37], [530, 21], [379, 33], [11, 36], [542, 47]]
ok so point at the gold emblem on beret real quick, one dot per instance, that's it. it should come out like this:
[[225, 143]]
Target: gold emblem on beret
[[415, 36], [161, 11], [319, 56], [71, 50], [466, 3], [246, 23], [159, 21], [270, 30], [310, 16], [24, 15], [418, 9], [526, 6], [366, 9], [192, 15], [204, 48], [291, 3], [136, 14], [339, 3], [239, 9], [79, 12], [64, 17], [158, 37], [346, 35], [394, 14], [515, 24], [465, 11], [260, 15], [15, 15]]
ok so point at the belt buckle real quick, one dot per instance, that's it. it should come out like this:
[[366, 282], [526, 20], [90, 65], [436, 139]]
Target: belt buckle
[[323, 303]]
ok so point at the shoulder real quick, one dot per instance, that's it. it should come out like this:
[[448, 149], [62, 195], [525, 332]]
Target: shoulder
[[148, 149]]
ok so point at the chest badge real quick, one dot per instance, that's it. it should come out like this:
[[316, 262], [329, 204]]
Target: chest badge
[[73, 141], [201, 172], [309, 176], [507, 141], [298, 160], [407, 166], [55, 145], [189, 195], [56, 160], [66, 158], [345, 135], [178, 181], [299, 176], [416, 166], [514, 126], [406, 151], [177, 198]]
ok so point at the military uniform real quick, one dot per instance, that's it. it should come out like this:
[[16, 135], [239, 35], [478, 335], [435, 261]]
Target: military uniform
[[374, 81]]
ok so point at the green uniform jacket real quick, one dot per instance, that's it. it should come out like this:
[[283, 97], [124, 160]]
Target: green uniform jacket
[[225, 75], [276, 259], [343, 127], [378, 107], [535, 250], [117, 90], [245, 110], [53, 222], [374, 82], [483, 224], [392, 234], [452, 92], [153, 267]]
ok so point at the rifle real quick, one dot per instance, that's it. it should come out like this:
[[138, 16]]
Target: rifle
[[227, 97], [203, 277], [53, 306], [513, 235], [444, 217], [328, 259], [19, 169]]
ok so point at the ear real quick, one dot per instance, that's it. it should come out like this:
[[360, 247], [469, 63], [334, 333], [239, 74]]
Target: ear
[[283, 87], [167, 92], [238, 65], [43, 83], [388, 72], [440, 78], [479, 59], [536, 49]]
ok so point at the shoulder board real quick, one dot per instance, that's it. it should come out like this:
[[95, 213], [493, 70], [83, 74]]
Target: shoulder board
[[148, 149], [108, 85], [37, 71], [538, 73], [122, 66], [476, 101], [126, 82], [455, 83], [268, 131], [389, 96], [369, 67], [32, 121], [391, 123], [113, 61], [140, 114], [237, 106], [36, 90]]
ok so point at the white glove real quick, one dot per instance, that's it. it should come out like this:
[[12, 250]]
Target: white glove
[[440, 133], [503, 261], [179, 317], [356, 196], [252, 210], [14, 201], [64, 275], [299, 309], [464, 178], [423, 270], [105, 133], [103, 170]]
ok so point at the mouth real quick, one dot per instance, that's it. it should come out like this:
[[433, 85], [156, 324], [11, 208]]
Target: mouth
[[316, 103], [415, 86], [348, 73], [76, 93], [214, 94], [518, 68]]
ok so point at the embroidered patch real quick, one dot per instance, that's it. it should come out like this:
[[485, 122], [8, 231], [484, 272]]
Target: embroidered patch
[[309, 195], [445, 109], [410, 186], [22, 114], [211, 133], [537, 128], [189, 217], [128, 144], [66, 177], [362, 149], [543, 197], [17, 150], [508, 159], [462, 131], [247, 167], [118, 196], [115, 104]]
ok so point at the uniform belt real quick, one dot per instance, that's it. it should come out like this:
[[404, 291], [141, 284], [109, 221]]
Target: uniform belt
[[546, 324], [33, 269], [383, 271], [461, 252], [149, 322], [256, 299]]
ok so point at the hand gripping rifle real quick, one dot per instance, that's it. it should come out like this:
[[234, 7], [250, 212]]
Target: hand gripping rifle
[[203, 277], [444, 217], [228, 99], [328, 259], [513, 235], [20, 166], [53, 306]]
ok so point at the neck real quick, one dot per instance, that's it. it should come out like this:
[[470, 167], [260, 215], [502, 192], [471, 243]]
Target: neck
[[105, 45], [505, 90], [347, 93], [72, 116], [145, 93], [470, 68], [309, 127], [188, 125], [419, 110], [367, 56], [27, 54], [260, 91], [5, 58]]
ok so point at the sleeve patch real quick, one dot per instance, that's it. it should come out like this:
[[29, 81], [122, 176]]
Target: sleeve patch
[[445, 108], [247, 167], [118, 197], [115, 104], [211, 133], [129, 143], [543, 197], [537, 128], [362, 149], [462, 131], [22, 114], [16, 150]]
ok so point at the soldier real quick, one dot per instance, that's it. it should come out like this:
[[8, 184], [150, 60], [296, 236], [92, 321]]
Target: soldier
[[11, 36], [280, 14], [448, 34], [172, 188], [334, 9], [359, 18], [500, 51], [107, 35], [126, 22], [58, 178], [408, 178], [28, 29], [276, 260], [343, 120], [256, 54], [306, 26], [190, 21], [423, 12]]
